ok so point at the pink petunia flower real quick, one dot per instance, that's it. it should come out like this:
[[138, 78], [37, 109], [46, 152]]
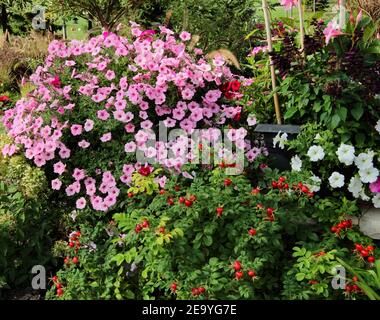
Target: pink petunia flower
[[79, 174], [185, 36], [375, 186], [103, 115], [83, 144], [59, 168], [88, 125], [130, 147], [76, 129], [106, 137], [56, 184], [81, 203]]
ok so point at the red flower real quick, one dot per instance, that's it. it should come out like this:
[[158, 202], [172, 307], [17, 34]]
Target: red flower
[[235, 85], [225, 87], [237, 117], [229, 95], [56, 82], [4, 99], [145, 171]]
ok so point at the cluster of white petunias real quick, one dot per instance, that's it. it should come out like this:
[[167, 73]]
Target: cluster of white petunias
[[346, 154], [356, 187], [315, 184], [336, 180], [316, 153], [296, 163], [280, 139], [367, 172]]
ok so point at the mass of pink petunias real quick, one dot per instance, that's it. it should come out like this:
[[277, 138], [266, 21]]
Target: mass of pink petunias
[[86, 89]]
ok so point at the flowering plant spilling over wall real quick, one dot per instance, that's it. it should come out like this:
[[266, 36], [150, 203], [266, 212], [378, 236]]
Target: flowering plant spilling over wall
[[96, 103]]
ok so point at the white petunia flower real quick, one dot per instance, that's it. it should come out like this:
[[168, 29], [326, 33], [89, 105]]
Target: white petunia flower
[[376, 201], [368, 175], [364, 160], [355, 186], [296, 163], [363, 195], [336, 180], [251, 120], [315, 186], [316, 153], [280, 139], [377, 127], [346, 154]]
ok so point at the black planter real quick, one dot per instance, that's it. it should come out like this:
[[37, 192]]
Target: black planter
[[280, 157]]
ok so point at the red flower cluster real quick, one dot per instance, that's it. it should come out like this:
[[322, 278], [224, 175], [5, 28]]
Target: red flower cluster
[[239, 273], [56, 82], [365, 252], [270, 214], [143, 225], [343, 225], [4, 99], [58, 285], [303, 189], [353, 287], [188, 202], [75, 244], [230, 88], [198, 291], [280, 184], [145, 171]]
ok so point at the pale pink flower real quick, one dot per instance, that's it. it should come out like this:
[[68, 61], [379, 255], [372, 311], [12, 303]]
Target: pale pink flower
[[106, 137], [83, 144], [56, 184], [185, 36], [110, 75], [59, 168], [79, 174], [103, 115], [288, 4], [64, 153], [130, 128], [331, 31], [88, 125], [147, 124], [81, 203], [130, 147], [187, 94], [76, 129]]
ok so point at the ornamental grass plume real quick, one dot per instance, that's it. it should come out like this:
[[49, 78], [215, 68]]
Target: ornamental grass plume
[[371, 7]]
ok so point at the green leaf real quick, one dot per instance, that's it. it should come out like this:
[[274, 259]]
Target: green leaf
[[290, 112], [144, 274], [357, 112], [369, 31], [342, 113], [207, 241], [360, 139], [119, 258], [300, 276], [335, 121]]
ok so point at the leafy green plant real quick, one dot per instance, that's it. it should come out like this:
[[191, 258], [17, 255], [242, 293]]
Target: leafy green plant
[[367, 279]]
